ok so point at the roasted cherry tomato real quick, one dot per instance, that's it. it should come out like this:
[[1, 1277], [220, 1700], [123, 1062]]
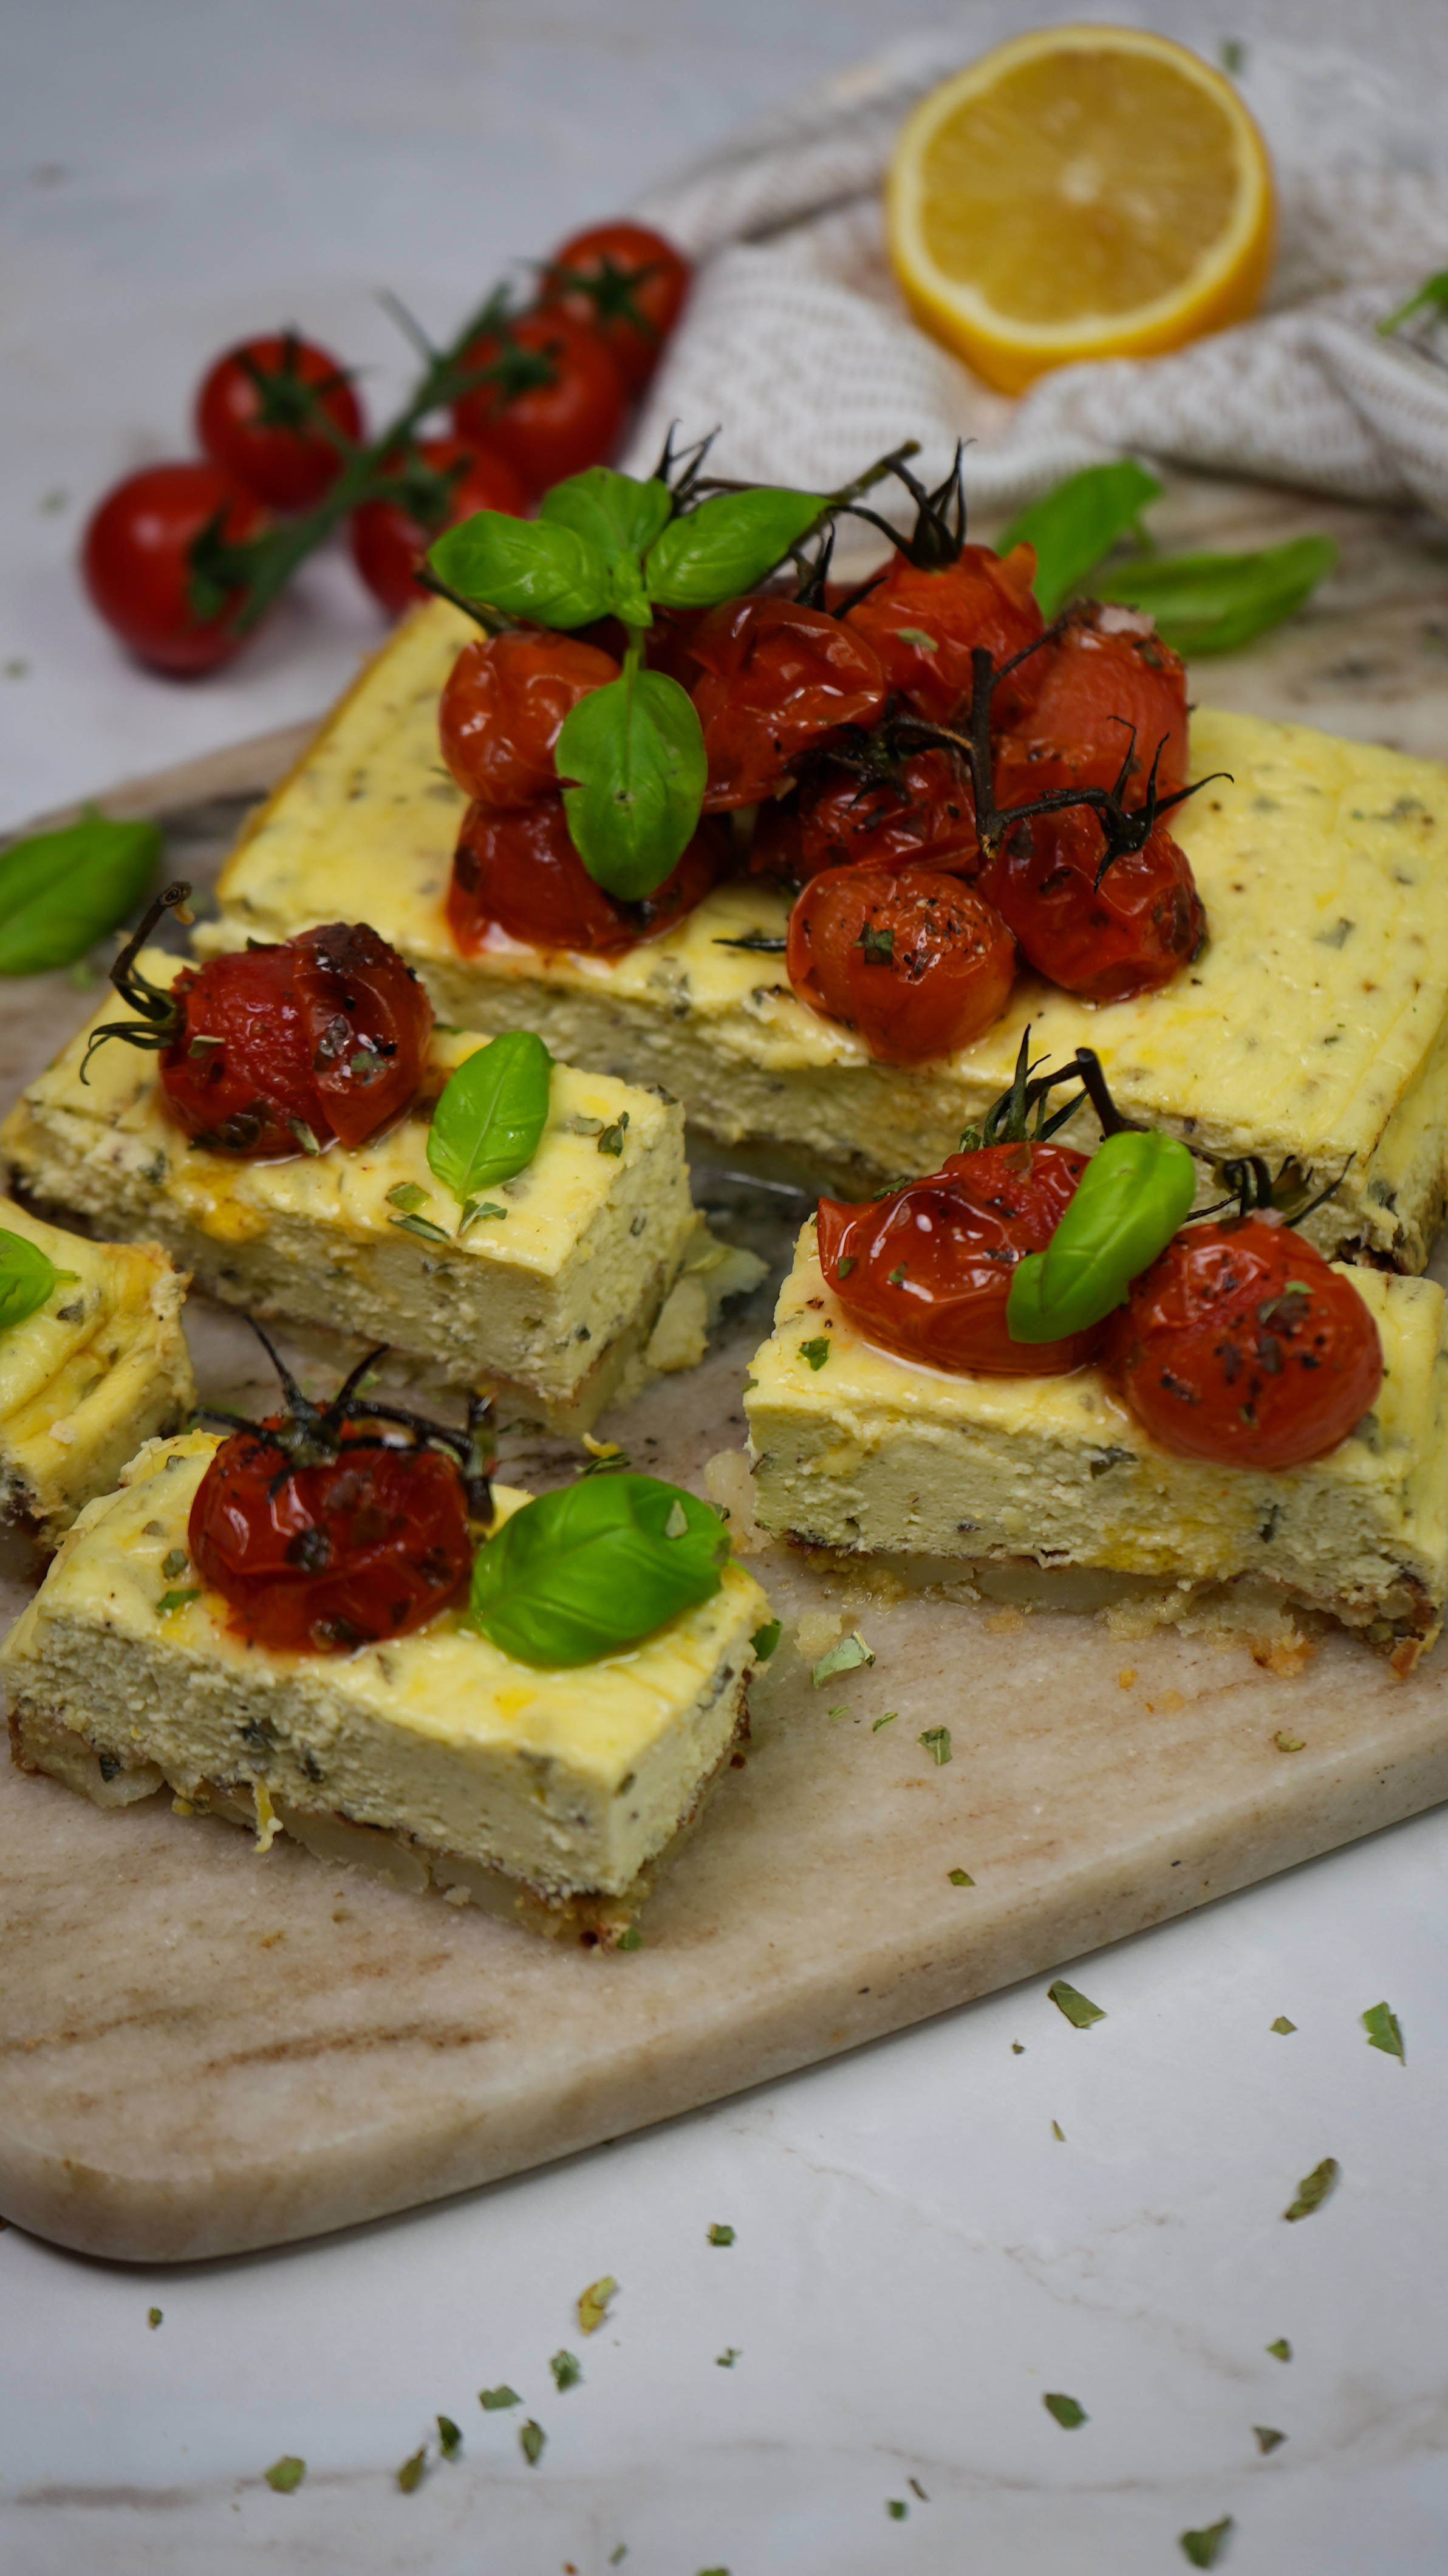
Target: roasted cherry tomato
[[1108, 671], [918, 963], [927, 1271], [1131, 934], [256, 414], [553, 401], [504, 708], [281, 1049], [922, 815], [136, 562], [778, 681], [320, 1559], [1243, 1346], [925, 625], [389, 538], [627, 284], [519, 873]]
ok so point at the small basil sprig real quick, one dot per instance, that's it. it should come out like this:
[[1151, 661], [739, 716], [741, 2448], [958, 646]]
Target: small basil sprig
[[594, 1568], [62, 891], [27, 1279], [1076, 526], [1133, 1195], [491, 1116], [1216, 603]]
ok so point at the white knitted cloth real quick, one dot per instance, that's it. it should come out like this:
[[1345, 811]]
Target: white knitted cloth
[[796, 343]]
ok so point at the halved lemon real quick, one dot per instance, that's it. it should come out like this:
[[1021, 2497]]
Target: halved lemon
[[1084, 192]]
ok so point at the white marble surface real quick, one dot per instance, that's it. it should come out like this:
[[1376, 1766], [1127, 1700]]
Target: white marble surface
[[918, 2257]]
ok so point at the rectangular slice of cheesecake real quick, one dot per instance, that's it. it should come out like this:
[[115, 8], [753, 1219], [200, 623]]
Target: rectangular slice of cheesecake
[[100, 1367], [554, 1296], [1313, 1025], [870, 1453], [549, 1795]]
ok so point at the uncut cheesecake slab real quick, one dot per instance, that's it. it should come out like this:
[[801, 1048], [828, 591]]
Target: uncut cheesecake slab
[[555, 1299], [100, 1367], [870, 1453], [1313, 1025], [553, 1796]]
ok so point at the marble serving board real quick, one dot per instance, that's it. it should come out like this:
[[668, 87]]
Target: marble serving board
[[204, 2050]]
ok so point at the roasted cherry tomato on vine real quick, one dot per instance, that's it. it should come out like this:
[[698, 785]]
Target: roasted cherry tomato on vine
[[918, 963], [923, 814], [1243, 1346], [257, 413], [1108, 671], [627, 284], [518, 872], [927, 1272], [281, 1049], [389, 538], [136, 559], [322, 1558], [925, 624], [504, 708], [552, 401], [1131, 934], [778, 680]]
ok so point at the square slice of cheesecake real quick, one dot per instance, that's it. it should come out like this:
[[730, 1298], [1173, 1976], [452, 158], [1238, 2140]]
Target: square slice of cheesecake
[[867, 1452], [553, 1293], [96, 1370], [550, 1795], [1314, 1025]]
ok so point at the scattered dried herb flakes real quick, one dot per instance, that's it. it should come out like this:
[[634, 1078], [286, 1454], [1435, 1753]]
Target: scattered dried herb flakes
[[617, 2556], [449, 2437], [816, 1352], [1017, 2048], [917, 2489], [897, 2508], [531, 2438], [567, 2370], [632, 1939], [1313, 2189], [410, 2475], [1067, 2412], [1078, 2009], [1058, 2132], [1268, 2436], [960, 1878], [887, 1720], [1285, 1743], [285, 2474], [846, 1657], [1281, 2350], [593, 2303], [1283, 2024], [1204, 2548], [153, 2317], [836, 1713], [726, 2359], [490, 2399], [719, 2235], [765, 1639], [936, 1740], [1384, 2031]]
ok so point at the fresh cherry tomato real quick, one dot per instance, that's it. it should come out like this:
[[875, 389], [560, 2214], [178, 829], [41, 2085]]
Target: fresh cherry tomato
[[778, 681], [626, 283], [925, 625], [256, 414], [918, 963], [388, 538], [504, 708], [519, 873], [1243, 1346], [553, 402], [325, 1035], [1131, 934], [922, 814], [927, 1272], [1108, 671], [320, 1559], [135, 560]]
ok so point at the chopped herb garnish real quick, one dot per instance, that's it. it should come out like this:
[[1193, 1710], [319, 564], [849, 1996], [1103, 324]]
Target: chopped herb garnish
[[726, 2359], [491, 2399], [846, 1657], [817, 1351], [531, 2438], [1281, 2350], [449, 2436], [1017, 2048], [153, 2317], [676, 1526], [1078, 2009], [917, 2489], [1384, 2031], [719, 2235], [617, 2556], [593, 2303], [1067, 2412], [1283, 2024], [844, 1266], [170, 1601], [175, 1561], [841, 1709], [1204, 2548], [567, 2370], [765, 1639], [422, 1227], [1313, 2189], [579, 1125], [475, 1208], [1058, 2132], [611, 1141], [408, 1197], [409, 2476], [896, 1278], [897, 2508], [960, 1878], [936, 1740], [887, 1720], [304, 1136], [285, 2474], [1286, 1743], [1268, 2436], [632, 1939]]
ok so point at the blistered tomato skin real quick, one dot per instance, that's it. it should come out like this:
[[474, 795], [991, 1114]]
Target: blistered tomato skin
[[504, 707], [925, 625], [917, 963], [778, 680], [1131, 934], [325, 1033], [925, 816], [518, 872], [927, 1272], [1107, 672], [1242, 1346], [318, 1560]]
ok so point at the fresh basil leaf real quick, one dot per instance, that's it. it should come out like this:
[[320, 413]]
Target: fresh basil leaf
[[525, 567], [1430, 297], [62, 891], [1313, 2189], [1078, 2008], [1216, 603], [490, 1118], [726, 546], [588, 1570], [1133, 1195], [621, 517], [635, 752], [1204, 2548], [1073, 527], [1385, 2031], [27, 1279], [1069, 2415]]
